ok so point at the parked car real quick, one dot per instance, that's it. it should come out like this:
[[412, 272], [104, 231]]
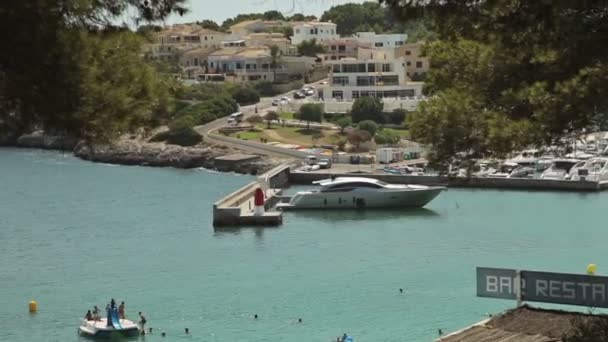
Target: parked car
[[285, 99], [308, 91], [275, 102], [324, 163], [299, 95]]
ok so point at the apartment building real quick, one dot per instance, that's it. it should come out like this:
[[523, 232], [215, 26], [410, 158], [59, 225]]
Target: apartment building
[[174, 40], [336, 49], [244, 64], [417, 66], [381, 41], [268, 39], [321, 31], [375, 73]]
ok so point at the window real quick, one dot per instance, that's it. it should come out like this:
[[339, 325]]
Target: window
[[389, 80], [312, 31], [355, 94], [333, 48], [408, 63], [333, 58], [247, 66], [342, 48], [386, 68], [205, 37], [371, 67], [408, 52], [265, 66], [406, 93], [254, 77], [340, 80], [350, 68], [239, 65], [361, 67], [379, 44], [363, 81], [418, 64], [196, 61], [399, 43], [337, 94], [211, 64]]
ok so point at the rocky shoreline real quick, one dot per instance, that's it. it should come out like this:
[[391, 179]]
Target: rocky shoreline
[[133, 151]]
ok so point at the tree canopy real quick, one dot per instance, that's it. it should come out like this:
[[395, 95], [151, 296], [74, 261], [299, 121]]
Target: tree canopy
[[69, 68], [310, 112], [367, 108], [509, 74], [372, 16], [310, 48]]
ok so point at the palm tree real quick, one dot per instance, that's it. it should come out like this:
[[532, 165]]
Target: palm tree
[[276, 60]]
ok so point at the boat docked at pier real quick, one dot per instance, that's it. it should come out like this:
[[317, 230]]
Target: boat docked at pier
[[362, 192], [594, 170]]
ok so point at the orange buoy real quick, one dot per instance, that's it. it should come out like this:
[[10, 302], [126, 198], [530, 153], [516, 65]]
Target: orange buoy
[[33, 306]]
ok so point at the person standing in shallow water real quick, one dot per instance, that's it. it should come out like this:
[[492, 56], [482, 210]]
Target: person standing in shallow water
[[112, 304], [142, 321], [121, 310]]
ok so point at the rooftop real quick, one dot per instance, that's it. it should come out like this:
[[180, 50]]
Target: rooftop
[[241, 52], [524, 324]]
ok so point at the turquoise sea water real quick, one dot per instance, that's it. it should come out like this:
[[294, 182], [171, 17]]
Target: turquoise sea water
[[74, 234]]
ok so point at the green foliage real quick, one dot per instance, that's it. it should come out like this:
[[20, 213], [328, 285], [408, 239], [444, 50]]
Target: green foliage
[[78, 73], [523, 84], [240, 18], [370, 16], [211, 109], [310, 112], [387, 136], [397, 116], [254, 119], [357, 137], [273, 15], [310, 48], [343, 123], [368, 126], [270, 117], [266, 88], [368, 108], [181, 132], [245, 95], [210, 25]]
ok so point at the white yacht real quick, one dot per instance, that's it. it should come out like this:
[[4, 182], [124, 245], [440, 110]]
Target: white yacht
[[361, 192], [594, 170], [560, 169]]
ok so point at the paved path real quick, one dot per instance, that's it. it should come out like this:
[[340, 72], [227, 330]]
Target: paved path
[[244, 145]]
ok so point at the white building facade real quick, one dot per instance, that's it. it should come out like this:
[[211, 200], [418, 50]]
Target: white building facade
[[321, 31], [381, 41], [375, 73]]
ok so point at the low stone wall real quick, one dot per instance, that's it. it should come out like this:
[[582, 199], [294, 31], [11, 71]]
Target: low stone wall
[[491, 183]]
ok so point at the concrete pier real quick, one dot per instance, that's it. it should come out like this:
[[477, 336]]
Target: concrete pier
[[237, 208]]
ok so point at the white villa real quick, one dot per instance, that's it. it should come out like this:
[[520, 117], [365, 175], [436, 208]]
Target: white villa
[[320, 31]]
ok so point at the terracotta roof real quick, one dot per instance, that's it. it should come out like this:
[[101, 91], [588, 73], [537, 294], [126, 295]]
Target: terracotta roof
[[525, 324]]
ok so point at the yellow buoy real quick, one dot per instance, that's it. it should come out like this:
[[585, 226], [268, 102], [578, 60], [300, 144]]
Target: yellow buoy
[[33, 306], [591, 269]]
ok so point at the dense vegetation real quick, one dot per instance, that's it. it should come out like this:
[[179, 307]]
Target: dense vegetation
[[509, 74], [371, 16], [69, 69]]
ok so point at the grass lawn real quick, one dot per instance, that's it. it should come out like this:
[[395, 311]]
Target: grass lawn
[[286, 115], [404, 133], [247, 135]]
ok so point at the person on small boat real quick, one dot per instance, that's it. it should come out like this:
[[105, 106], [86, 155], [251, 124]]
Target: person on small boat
[[121, 310], [96, 315], [142, 321], [88, 316], [112, 304]]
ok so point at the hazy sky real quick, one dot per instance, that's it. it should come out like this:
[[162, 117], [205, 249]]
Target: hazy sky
[[219, 10]]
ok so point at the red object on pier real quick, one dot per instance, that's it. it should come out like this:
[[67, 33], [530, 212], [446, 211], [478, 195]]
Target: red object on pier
[[259, 197]]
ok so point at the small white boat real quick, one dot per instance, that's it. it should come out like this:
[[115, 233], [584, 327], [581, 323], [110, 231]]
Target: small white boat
[[560, 169], [362, 192], [102, 328]]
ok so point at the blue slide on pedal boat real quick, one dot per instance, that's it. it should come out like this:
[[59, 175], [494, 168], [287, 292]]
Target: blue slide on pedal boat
[[109, 327]]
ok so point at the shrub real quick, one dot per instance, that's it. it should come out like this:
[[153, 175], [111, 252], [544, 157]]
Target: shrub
[[181, 132], [254, 119], [396, 117], [310, 112], [343, 123], [369, 126], [368, 108], [387, 137], [357, 137], [266, 88], [245, 95], [270, 117]]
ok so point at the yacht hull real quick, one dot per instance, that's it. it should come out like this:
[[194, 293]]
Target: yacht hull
[[363, 198]]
